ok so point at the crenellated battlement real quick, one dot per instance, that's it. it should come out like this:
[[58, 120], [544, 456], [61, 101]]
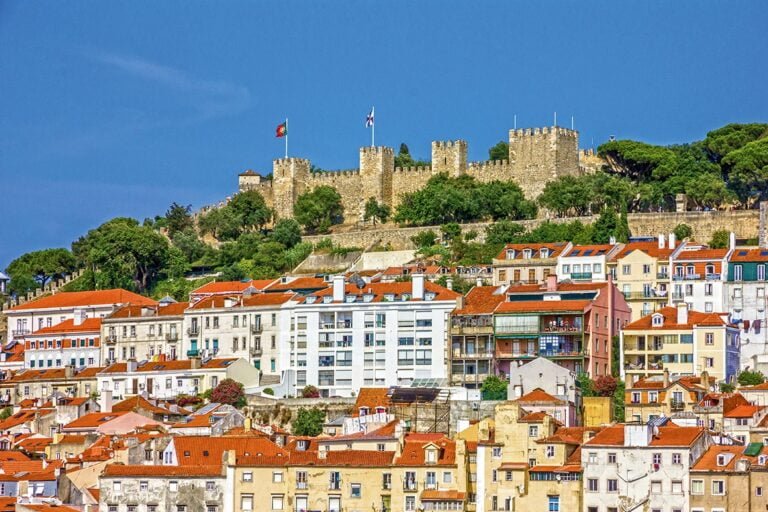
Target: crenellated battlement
[[291, 160], [488, 163], [333, 175], [545, 130], [377, 150], [413, 170], [449, 143]]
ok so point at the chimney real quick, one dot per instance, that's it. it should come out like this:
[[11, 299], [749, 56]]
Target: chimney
[[80, 316], [479, 281], [552, 283], [682, 313], [612, 240], [460, 302], [131, 366], [247, 424], [705, 379], [449, 283], [661, 241], [338, 288], [732, 240], [417, 286], [195, 363], [666, 378], [229, 302], [672, 240], [637, 434], [69, 371], [105, 401]]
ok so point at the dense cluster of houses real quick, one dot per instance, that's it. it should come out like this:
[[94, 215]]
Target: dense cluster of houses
[[90, 386]]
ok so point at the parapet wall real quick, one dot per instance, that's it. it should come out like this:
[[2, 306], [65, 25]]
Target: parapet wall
[[745, 223]]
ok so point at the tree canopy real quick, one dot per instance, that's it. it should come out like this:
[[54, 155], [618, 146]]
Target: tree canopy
[[494, 388], [36, 269], [319, 209], [308, 422], [178, 218], [499, 152], [375, 211], [230, 392], [403, 158]]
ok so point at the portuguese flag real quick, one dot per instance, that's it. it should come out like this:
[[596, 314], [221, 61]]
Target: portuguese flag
[[282, 130]]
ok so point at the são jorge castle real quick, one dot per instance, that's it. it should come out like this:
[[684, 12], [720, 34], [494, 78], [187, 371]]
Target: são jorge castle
[[536, 156]]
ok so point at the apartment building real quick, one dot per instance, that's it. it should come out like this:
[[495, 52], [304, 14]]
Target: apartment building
[[661, 395], [42, 383], [351, 335], [74, 342], [641, 270], [165, 380], [633, 465], [254, 327], [472, 354], [527, 263], [54, 309], [730, 478], [586, 263], [745, 302], [230, 288], [699, 276], [681, 341], [570, 323], [143, 332]]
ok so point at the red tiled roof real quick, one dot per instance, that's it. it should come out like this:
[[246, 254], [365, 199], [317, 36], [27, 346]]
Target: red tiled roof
[[670, 320], [35, 444], [481, 300], [162, 471], [205, 450], [701, 254], [50, 508], [6, 455], [543, 306], [708, 460], [68, 326], [554, 250], [359, 458], [538, 395], [753, 254], [300, 283], [261, 299], [668, 436], [413, 452], [139, 402], [371, 398], [435, 495], [52, 374], [650, 248], [94, 419], [8, 504], [176, 365], [742, 411], [224, 287], [88, 298], [138, 311], [597, 250], [379, 290]]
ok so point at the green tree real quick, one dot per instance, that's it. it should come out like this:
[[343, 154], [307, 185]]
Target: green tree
[[319, 209], [727, 387], [605, 226], [250, 210], [424, 239], [6, 413], [682, 231], [494, 388], [310, 392], [404, 158], [499, 152], [750, 378], [747, 171], [178, 218], [503, 232], [721, 239], [567, 195], [731, 137], [618, 401], [287, 232], [221, 223], [229, 392], [308, 422], [189, 244], [123, 254], [376, 211], [586, 385], [450, 231], [36, 269]]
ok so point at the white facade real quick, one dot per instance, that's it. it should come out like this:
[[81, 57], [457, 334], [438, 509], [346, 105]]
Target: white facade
[[587, 265], [384, 336], [642, 473], [745, 300], [142, 337]]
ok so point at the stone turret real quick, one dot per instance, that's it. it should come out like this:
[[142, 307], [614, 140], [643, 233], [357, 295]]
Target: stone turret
[[449, 157], [376, 167], [540, 155], [290, 177]]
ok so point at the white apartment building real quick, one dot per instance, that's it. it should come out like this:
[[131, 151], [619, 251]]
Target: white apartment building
[[586, 263], [252, 327], [55, 309], [637, 466], [143, 332], [165, 380], [698, 277], [352, 335], [745, 303], [74, 342]]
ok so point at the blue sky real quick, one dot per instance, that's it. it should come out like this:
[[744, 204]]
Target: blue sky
[[120, 108]]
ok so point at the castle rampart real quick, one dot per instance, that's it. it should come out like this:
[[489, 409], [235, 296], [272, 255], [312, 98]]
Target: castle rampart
[[536, 156]]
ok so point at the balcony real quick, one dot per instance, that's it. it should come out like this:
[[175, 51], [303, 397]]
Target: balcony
[[409, 485], [646, 295], [301, 485], [581, 276], [171, 337], [457, 354], [193, 353], [255, 351], [678, 297], [334, 486], [713, 277], [256, 328], [662, 276], [686, 277], [19, 333], [677, 405], [111, 339], [561, 353], [194, 330]]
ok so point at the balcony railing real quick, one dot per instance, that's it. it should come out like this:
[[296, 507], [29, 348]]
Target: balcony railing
[[194, 330], [650, 295], [255, 351], [472, 355], [581, 276], [193, 353], [111, 339], [410, 485], [662, 276], [677, 405], [172, 336], [256, 328], [301, 485], [678, 296], [686, 277], [334, 486], [713, 277], [19, 332]]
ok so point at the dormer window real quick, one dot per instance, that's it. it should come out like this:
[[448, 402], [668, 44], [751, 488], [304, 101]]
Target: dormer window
[[405, 297], [527, 253], [429, 296], [510, 254], [311, 299], [327, 299], [710, 269], [430, 455], [722, 460], [380, 409], [368, 297], [363, 411], [389, 297], [657, 320], [350, 298], [544, 252], [689, 270], [762, 459], [302, 445]]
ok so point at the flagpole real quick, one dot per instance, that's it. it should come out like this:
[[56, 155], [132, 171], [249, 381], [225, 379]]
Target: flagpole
[[286, 137]]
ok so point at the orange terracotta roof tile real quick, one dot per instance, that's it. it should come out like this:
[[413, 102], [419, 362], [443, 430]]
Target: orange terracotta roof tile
[[35, 444], [50, 508], [555, 249], [543, 306], [6, 455], [236, 287], [709, 459], [353, 458], [113, 470], [260, 299], [300, 283], [94, 419], [481, 300], [139, 311], [701, 254], [577, 251], [749, 254], [371, 398], [413, 453], [88, 298], [8, 504], [668, 436], [538, 395], [670, 320], [437, 495], [379, 290], [205, 450], [92, 325], [650, 248], [742, 411], [176, 365]]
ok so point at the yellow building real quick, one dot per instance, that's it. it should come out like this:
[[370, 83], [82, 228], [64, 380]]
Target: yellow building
[[680, 341], [730, 478], [527, 263], [660, 395], [598, 410], [641, 271]]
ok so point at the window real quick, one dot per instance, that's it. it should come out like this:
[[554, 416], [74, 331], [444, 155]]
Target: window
[[653, 397], [708, 307], [550, 451], [246, 502], [210, 486], [533, 431], [718, 487], [386, 481], [677, 487], [758, 491], [737, 273], [496, 453], [592, 485], [709, 362], [676, 458], [626, 269], [355, 491], [611, 458], [613, 485], [277, 477], [447, 477], [709, 338], [247, 476], [173, 486], [554, 503], [410, 503], [131, 508], [708, 289], [697, 486], [143, 485], [181, 508]]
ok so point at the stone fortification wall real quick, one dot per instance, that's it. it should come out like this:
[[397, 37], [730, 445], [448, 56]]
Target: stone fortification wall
[[406, 180], [349, 186], [745, 223], [540, 155], [492, 170]]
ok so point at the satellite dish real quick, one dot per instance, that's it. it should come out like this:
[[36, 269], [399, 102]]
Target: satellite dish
[[358, 281]]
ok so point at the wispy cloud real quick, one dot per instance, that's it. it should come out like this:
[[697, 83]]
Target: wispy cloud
[[210, 98]]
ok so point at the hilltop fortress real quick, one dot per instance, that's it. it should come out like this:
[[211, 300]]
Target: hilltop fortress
[[536, 156]]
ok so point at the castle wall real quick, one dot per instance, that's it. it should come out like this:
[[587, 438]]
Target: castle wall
[[450, 157], [406, 180], [349, 186], [493, 170], [290, 179], [540, 155]]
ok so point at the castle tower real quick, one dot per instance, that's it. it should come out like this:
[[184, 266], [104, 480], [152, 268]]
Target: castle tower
[[449, 157], [540, 155], [290, 177], [248, 180], [376, 167]]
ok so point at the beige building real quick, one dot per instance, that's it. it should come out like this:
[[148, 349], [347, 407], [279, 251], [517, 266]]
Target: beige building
[[527, 263], [660, 395], [730, 478], [682, 342], [143, 332]]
